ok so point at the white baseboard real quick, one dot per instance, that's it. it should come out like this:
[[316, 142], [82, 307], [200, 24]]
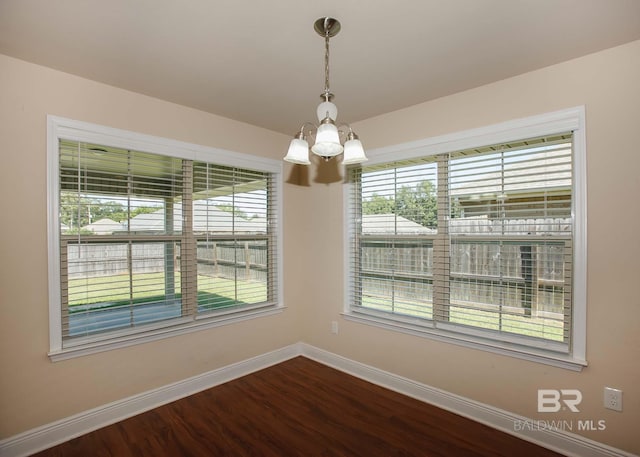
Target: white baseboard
[[562, 442], [68, 428], [49, 435]]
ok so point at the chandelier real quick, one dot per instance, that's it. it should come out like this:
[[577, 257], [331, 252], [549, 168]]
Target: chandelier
[[330, 140]]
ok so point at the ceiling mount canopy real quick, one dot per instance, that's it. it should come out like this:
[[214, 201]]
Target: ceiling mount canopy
[[327, 27], [330, 140]]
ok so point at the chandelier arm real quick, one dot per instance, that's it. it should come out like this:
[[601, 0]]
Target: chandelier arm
[[345, 132], [308, 124], [312, 128]]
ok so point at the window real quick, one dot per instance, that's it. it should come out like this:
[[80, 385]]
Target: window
[[150, 237], [474, 242]]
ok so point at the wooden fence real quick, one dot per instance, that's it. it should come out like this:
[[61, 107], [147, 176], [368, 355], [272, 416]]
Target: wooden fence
[[517, 270], [227, 259], [522, 272], [246, 260]]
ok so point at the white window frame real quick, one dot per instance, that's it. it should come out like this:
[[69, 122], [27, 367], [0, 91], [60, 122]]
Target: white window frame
[[61, 128], [572, 119]]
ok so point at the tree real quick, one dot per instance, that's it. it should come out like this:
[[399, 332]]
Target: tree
[[77, 211], [74, 210], [378, 205], [418, 204]]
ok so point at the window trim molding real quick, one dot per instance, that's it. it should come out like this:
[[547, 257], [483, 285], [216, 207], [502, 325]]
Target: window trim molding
[[69, 129], [538, 125]]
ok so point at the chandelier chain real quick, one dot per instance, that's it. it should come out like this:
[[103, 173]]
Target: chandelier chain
[[326, 66]]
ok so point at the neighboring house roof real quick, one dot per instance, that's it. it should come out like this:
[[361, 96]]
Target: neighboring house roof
[[104, 226], [206, 218], [392, 223], [148, 222]]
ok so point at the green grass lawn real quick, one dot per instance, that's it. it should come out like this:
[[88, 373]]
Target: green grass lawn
[[115, 290], [214, 292], [539, 327]]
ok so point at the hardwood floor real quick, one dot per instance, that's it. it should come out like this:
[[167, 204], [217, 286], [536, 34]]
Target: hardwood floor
[[297, 408]]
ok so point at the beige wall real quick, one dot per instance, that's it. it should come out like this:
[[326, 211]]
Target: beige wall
[[34, 391], [608, 84]]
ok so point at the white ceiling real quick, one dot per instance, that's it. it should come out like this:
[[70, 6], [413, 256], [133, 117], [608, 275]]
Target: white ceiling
[[261, 62]]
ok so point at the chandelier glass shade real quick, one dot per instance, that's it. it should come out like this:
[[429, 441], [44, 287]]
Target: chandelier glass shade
[[330, 139]]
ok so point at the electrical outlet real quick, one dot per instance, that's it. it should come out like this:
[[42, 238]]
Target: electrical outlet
[[613, 399], [334, 327]]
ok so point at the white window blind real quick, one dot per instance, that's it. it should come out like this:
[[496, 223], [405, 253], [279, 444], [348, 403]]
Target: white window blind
[[118, 253], [234, 238], [510, 237], [476, 242], [394, 252], [153, 241]]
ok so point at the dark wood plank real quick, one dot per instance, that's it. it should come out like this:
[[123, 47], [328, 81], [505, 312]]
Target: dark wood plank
[[297, 408]]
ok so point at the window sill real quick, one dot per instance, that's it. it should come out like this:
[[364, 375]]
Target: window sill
[[564, 361], [201, 323]]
